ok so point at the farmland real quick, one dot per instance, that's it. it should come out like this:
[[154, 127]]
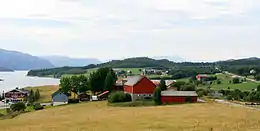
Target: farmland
[[225, 84], [98, 116], [45, 92]]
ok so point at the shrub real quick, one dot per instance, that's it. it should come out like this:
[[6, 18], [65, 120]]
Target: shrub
[[236, 80], [18, 106], [119, 97], [188, 99], [71, 101], [37, 106], [157, 96]]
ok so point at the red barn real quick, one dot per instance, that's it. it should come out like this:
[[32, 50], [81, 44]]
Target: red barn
[[201, 76], [139, 87], [178, 96]]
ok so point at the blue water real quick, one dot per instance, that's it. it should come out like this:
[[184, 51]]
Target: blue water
[[19, 79]]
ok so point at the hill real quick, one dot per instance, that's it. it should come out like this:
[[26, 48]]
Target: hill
[[241, 66], [138, 62], [61, 61], [189, 68], [20, 61], [2, 69], [99, 117]]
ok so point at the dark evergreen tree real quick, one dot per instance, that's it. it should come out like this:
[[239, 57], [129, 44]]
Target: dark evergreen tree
[[162, 85]]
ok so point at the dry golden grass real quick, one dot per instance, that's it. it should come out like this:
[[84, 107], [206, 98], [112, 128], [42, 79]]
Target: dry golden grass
[[97, 116], [45, 92]]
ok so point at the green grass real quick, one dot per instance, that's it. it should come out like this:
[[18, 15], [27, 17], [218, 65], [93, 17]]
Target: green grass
[[246, 86], [184, 79]]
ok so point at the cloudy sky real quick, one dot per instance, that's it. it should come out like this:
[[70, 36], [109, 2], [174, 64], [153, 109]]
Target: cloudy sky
[[105, 29]]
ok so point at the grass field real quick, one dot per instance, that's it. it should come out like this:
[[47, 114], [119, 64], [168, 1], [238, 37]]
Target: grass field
[[245, 86], [45, 92], [97, 116]]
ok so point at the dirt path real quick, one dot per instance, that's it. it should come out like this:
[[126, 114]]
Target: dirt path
[[234, 104]]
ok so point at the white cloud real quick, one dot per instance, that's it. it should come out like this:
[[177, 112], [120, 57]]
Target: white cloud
[[130, 28]]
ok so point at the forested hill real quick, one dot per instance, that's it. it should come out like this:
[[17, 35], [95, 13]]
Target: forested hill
[[145, 62], [241, 66], [138, 62]]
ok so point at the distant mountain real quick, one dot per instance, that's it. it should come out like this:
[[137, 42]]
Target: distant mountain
[[15, 60], [2, 69], [170, 58], [60, 61]]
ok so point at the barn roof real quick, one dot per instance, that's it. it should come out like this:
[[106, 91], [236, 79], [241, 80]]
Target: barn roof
[[179, 93], [132, 80]]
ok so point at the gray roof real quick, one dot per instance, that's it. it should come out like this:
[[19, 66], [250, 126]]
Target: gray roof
[[132, 80], [57, 92], [179, 93]]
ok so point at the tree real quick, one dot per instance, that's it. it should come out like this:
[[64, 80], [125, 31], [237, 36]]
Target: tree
[[65, 84], [110, 81], [258, 88], [178, 84], [98, 78], [236, 80], [218, 82], [162, 85], [188, 87], [18, 106], [37, 95], [75, 85], [257, 77], [157, 96], [31, 97], [83, 85]]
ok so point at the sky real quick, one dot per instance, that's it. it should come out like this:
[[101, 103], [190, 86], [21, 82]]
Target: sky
[[203, 30]]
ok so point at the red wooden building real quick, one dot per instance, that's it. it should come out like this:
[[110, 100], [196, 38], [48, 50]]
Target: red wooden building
[[178, 96], [139, 87]]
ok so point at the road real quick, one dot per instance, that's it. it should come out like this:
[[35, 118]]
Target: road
[[241, 77]]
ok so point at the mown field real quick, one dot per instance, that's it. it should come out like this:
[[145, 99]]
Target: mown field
[[45, 92], [97, 116], [225, 83]]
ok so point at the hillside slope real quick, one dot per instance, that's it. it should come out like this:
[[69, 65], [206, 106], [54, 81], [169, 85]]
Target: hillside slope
[[139, 62], [60, 61], [97, 116], [20, 61]]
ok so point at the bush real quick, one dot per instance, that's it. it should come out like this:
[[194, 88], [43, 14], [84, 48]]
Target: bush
[[37, 106], [188, 99], [119, 97], [71, 101], [218, 82], [18, 106], [236, 80], [157, 96]]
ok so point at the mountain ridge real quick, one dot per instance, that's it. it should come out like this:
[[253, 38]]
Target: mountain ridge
[[16, 60], [60, 61]]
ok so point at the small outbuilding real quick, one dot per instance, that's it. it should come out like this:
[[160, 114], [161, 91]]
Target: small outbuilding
[[171, 96], [59, 98]]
